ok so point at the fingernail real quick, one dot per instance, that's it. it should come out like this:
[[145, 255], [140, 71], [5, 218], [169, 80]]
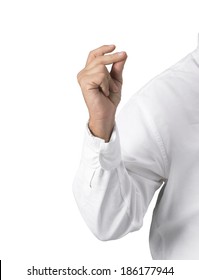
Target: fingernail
[[120, 53]]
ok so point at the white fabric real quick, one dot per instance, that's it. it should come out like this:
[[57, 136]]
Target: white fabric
[[155, 140]]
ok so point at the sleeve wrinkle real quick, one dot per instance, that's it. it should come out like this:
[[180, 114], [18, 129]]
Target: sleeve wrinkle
[[123, 196], [157, 136]]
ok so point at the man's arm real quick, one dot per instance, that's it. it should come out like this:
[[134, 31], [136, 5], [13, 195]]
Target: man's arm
[[115, 182]]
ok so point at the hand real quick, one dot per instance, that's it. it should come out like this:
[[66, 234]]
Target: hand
[[101, 89]]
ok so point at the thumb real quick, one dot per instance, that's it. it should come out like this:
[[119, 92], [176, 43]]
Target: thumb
[[117, 68]]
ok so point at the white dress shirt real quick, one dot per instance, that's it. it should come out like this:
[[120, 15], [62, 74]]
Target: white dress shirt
[[154, 145]]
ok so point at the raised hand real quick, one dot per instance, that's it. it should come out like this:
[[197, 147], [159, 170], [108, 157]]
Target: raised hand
[[102, 89]]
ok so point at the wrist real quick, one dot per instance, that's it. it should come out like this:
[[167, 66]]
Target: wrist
[[101, 129]]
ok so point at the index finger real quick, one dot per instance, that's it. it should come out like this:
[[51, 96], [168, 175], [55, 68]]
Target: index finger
[[99, 52], [107, 59]]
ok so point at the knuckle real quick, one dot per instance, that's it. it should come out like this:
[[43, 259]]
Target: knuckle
[[79, 76], [92, 53]]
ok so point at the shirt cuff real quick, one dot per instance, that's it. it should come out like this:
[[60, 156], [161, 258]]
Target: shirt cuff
[[98, 153]]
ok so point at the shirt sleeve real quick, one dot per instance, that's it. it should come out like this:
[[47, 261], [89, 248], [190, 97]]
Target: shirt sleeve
[[116, 181]]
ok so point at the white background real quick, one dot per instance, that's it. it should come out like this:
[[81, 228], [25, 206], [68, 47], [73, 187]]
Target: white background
[[43, 45]]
